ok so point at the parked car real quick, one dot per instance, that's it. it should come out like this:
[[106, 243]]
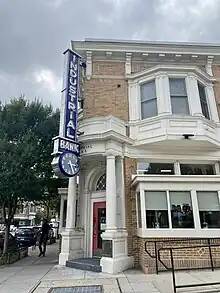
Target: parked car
[[26, 236], [12, 242]]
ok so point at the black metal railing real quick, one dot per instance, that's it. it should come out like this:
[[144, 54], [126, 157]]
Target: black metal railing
[[158, 258], [173, 269], [157, 244]]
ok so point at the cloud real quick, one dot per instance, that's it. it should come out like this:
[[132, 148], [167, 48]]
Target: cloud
[[35, 33]]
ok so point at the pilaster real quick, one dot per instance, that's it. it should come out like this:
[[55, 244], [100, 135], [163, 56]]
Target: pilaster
[[88, 65], [212, 103], [72, 240], [193, 96], [114, 239]]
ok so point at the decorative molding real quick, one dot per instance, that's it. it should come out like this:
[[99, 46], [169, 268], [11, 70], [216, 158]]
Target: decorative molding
[[128, 63], [88, 65], [176, 69], [208, 66]]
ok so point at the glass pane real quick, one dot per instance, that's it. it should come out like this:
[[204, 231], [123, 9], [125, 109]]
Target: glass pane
[[205, 110], [149, 109], [196, 169], [148, 91], [179, 105], [157, 219], [202, 93], [203, 101], [101, 183], [177, 87], [181, 209], [208, 201], [156, 200], [156, 168]]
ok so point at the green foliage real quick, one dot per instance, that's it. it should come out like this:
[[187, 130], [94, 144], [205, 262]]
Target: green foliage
[[26, 132]]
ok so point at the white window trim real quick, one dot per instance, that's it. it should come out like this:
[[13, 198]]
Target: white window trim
[[196, 232]]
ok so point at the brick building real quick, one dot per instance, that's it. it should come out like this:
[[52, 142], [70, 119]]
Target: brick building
[[150, 151]]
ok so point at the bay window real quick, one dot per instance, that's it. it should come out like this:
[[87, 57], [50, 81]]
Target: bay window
[[209, 209], [203, 101], [148, 99], [178, 96], [181, 209], [156, 209]]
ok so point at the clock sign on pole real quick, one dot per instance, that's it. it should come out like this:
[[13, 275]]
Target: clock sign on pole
[[66, 146]]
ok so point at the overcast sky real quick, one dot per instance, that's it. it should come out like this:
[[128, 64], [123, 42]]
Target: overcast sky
[[34, 34]]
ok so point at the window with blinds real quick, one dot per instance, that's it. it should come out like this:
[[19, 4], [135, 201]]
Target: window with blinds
[[209, 209], [156, 209]]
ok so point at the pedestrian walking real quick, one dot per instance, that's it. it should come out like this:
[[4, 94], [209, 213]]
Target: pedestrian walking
[[44, 237]]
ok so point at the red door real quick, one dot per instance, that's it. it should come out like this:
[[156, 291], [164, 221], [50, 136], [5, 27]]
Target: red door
[[99, 223]]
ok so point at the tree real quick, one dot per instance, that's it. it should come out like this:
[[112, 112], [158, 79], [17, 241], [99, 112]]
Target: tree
[[26, 132]]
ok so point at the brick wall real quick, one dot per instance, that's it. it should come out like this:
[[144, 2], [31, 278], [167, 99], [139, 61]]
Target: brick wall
[[108, 68], [183, 258], [106, 92], [130, 167]]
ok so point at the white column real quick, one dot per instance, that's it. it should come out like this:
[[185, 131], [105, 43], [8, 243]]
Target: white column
[[81, 199], [120, 193], [71, 205], [212, 103], [193, 96], [111, 199], [61, 214]]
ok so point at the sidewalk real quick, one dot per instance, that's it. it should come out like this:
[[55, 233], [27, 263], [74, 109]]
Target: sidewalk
[[33, 275]]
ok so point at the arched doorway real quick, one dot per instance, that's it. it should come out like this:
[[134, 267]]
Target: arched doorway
[[96, 217]]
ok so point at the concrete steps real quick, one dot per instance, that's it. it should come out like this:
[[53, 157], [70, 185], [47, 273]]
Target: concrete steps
[[86, 264]]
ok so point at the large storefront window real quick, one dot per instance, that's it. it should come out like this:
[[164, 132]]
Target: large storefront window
[[156, 209], [156, 168], [209, 209], [197, 169], [181, 209]]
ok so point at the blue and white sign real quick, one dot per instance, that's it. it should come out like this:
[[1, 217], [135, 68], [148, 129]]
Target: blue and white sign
[[66, 143], [71, 92]]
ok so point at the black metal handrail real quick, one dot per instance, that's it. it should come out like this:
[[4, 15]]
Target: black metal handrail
[[156, 249], [173, 269]]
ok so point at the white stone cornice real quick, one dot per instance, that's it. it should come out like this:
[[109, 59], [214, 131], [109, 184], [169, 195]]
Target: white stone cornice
[[173, 69], [88, 64], [128, 63], [208, 66]]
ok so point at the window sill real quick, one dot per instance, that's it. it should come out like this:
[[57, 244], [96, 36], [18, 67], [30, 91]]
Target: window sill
[[177, 233]]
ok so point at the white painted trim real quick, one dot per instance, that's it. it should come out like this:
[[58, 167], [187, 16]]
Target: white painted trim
[[143, 205], [178, 233]]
